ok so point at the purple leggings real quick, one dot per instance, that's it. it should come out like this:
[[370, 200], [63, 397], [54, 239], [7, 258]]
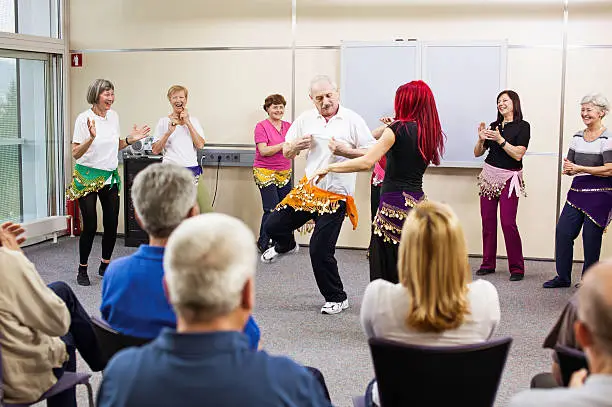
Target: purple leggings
[[514, 248]]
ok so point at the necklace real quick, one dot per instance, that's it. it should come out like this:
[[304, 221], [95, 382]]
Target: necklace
[[591, 132]]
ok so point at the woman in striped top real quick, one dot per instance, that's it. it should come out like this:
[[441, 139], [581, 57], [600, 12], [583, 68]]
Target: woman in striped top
[[589, 200]]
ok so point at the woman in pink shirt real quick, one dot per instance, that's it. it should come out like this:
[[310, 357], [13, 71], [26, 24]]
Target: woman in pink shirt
[[271, 170]]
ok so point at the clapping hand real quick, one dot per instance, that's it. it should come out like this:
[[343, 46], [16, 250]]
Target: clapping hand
[[171, 126], [91, 126], [481, 131], [184, 116], [569, 168], [494, 135], [138, 133], [10, 236]]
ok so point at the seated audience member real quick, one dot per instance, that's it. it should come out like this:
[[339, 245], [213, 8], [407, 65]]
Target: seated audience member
[[435, 303], [40, 328], [133, 300], [207, 361], [561, 334], [593, 330]]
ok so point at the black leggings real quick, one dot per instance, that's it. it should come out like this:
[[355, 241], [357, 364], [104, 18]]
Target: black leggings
[[109, 198]]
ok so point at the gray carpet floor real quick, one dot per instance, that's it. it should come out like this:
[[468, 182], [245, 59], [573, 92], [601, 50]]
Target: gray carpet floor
[[288, 312]]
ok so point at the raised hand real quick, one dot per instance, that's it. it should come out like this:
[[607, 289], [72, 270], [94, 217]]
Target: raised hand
[[91, 126], [139, 133], [10, 236], [481, 131], [184, 116], [171, 126]]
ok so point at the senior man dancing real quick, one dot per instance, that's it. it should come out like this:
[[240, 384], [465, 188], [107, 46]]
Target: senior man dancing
[[329, 133]]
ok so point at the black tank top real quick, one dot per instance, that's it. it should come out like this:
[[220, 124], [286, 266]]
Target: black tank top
[[405, 165]]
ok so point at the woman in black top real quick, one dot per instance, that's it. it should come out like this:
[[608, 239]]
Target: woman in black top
[[411, 142], [501, 181]]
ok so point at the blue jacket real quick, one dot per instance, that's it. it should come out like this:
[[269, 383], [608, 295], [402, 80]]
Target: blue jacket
[[133, 299]]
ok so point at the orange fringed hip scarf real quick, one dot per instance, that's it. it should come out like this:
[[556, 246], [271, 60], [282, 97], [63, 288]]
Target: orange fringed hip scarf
[[306, 197]]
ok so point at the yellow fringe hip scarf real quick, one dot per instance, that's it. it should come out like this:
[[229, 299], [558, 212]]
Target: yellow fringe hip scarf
[[306, 197], [265, 177]]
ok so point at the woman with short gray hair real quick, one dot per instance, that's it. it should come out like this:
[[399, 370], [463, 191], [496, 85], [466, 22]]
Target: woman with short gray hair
[[589, 200], [95, 144]]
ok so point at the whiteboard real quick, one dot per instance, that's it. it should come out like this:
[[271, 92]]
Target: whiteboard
[[465, 80], [371, 72], [464, 77]]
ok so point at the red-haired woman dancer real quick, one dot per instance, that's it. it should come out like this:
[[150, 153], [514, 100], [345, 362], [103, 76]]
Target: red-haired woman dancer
[[411, 142]]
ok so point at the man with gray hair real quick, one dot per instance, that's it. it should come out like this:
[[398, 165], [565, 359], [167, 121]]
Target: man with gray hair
[[593, 331], [329, 133], [133, 299], [207, 361]]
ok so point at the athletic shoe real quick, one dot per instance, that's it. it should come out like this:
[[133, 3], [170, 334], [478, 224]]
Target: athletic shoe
[[82, 277], [271, 255], [334, 307], [102, 269]]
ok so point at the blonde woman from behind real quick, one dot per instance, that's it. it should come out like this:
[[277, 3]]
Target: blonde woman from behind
[[436, 303]]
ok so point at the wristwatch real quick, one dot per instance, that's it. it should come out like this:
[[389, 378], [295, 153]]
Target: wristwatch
[[503, 144]]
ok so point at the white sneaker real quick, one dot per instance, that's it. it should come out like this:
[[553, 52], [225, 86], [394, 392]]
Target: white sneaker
[[334, 307], [271, 255]]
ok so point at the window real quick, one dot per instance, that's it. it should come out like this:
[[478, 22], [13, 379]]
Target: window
[[28, 168], [32, 17]]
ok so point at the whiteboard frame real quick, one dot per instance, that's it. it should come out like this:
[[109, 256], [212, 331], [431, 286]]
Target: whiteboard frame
[[503, 80], [378, 44]]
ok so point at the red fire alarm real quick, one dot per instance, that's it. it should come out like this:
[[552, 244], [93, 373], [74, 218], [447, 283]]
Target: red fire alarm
[[76, 60]]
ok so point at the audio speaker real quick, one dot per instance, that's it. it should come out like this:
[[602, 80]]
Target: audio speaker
[[132, 165]]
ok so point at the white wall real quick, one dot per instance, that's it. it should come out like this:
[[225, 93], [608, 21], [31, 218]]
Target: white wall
[[228, 87]]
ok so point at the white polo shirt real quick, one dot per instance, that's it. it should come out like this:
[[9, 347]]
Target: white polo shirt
[[346, 127], [179, 148], [103, 152]]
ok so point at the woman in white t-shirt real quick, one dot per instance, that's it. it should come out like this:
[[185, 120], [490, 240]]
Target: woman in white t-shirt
[[95, 145], [179, 135], [436, 303]]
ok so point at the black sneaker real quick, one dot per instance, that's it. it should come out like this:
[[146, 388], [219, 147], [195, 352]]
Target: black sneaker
[[557, 283], [82, 277], [484, 272], [102, 268], [516, 276]]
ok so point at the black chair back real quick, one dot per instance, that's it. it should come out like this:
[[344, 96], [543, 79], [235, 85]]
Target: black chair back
[[412, 375], [570, 361], [111, 341]]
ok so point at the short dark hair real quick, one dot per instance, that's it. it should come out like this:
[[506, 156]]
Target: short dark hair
[[275, 99], [96, 88], [516, 106]]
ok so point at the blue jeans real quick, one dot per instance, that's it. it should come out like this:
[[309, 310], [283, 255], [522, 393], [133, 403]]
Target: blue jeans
[[270, 197], [568, 229]]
